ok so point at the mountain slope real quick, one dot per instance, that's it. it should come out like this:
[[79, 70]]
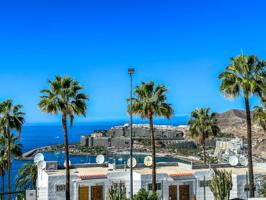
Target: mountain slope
[[234, 122]]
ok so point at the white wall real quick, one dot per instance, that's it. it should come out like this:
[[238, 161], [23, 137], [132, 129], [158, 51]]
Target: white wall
[[42, 185], [200, 190]]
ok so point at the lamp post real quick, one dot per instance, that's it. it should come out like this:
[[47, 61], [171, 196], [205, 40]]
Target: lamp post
[[131, 72]]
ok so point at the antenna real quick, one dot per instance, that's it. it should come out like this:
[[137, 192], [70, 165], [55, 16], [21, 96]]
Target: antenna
[[148, 161], [243, 161], [134, 162], [100, 159], [38, 157], [233, 160], [41, 165]]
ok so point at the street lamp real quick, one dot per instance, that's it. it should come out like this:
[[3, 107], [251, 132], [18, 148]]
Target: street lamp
[[131, 72]]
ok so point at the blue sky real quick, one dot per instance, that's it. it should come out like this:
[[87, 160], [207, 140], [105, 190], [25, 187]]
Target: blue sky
[[182, 44]]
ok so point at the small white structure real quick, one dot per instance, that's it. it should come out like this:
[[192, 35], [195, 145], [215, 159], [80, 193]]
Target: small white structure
[[31, 195], [173, 182]]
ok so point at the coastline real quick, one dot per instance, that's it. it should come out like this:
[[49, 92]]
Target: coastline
[[29, 155]]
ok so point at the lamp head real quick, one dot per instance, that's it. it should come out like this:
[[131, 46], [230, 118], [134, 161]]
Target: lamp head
[[131, 71]]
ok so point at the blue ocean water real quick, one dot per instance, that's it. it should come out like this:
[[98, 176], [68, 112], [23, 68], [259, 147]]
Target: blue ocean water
[[39, 135]]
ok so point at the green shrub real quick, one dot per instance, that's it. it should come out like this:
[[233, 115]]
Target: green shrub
[[145, 195]]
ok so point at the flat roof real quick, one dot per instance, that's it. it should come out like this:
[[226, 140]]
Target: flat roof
[[170, 170]]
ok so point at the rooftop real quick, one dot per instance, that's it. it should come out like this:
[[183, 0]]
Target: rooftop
[[96, 172]]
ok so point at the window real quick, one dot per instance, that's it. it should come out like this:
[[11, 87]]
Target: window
[[60, 188], [201, 183], [115, 184], [158, 186]]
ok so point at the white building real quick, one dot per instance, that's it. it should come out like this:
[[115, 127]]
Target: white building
[[173, 182]]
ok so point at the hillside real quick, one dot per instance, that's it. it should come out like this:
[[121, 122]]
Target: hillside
[[234, 122]]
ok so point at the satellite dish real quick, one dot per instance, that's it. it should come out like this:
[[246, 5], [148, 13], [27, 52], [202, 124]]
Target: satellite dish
[[100, 159], [134, 162], [68, 162], [148, 161], [38, 157], [243, 161], [41, 164], [233, 160]]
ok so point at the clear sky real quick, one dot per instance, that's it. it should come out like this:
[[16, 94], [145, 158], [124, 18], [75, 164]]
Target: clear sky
[[182, 44]]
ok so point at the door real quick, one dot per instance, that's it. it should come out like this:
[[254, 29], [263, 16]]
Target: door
[[184, 192], [97, 192], [83, 193], [172, 192]]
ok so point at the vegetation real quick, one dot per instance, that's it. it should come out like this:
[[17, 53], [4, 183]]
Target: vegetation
[[259, 117], [3, 162], [145, 195], [150, 101], [117, 192], [95, 150], [76, 149], [64, 97], [11, 118], [262, 189], [202, 125], [16, 151], [221, 184], [245, 75], [26, 177]]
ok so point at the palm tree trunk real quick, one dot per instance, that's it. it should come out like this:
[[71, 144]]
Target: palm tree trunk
[[8, 165], [204, 148], [249, 137], [64, 123], [3, 183], [153, 155]]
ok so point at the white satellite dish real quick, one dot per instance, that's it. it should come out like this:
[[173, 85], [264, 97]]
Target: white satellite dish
[[41, 164], [233, 160], [38, 157], [134, 162], [148, 161], [243, 161], [100, 159], [68, 163]]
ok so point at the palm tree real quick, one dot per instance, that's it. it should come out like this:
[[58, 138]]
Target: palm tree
[[16, 151], [150, 102], [11, 118], [202, 125], [3, 161], [64, 97], [245, 76], [259, 117], [26, 177]]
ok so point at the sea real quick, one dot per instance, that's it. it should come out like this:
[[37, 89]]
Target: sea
[[36, 135]]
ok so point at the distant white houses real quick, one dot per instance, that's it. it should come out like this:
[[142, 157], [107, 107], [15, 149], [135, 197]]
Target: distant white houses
[[179, 182]]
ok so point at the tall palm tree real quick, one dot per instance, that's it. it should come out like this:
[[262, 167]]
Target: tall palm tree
[[64, 97], [3, 161], [26, 177], [202, 125], [11, 118], [150, 101], [259, 117], [16, 151], [245, 76]]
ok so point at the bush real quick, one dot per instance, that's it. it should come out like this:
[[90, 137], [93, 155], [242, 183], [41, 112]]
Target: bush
[[145, 195]]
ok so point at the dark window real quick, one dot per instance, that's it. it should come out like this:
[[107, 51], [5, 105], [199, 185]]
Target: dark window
[[158, 186], [60, 188], [201, 183]]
